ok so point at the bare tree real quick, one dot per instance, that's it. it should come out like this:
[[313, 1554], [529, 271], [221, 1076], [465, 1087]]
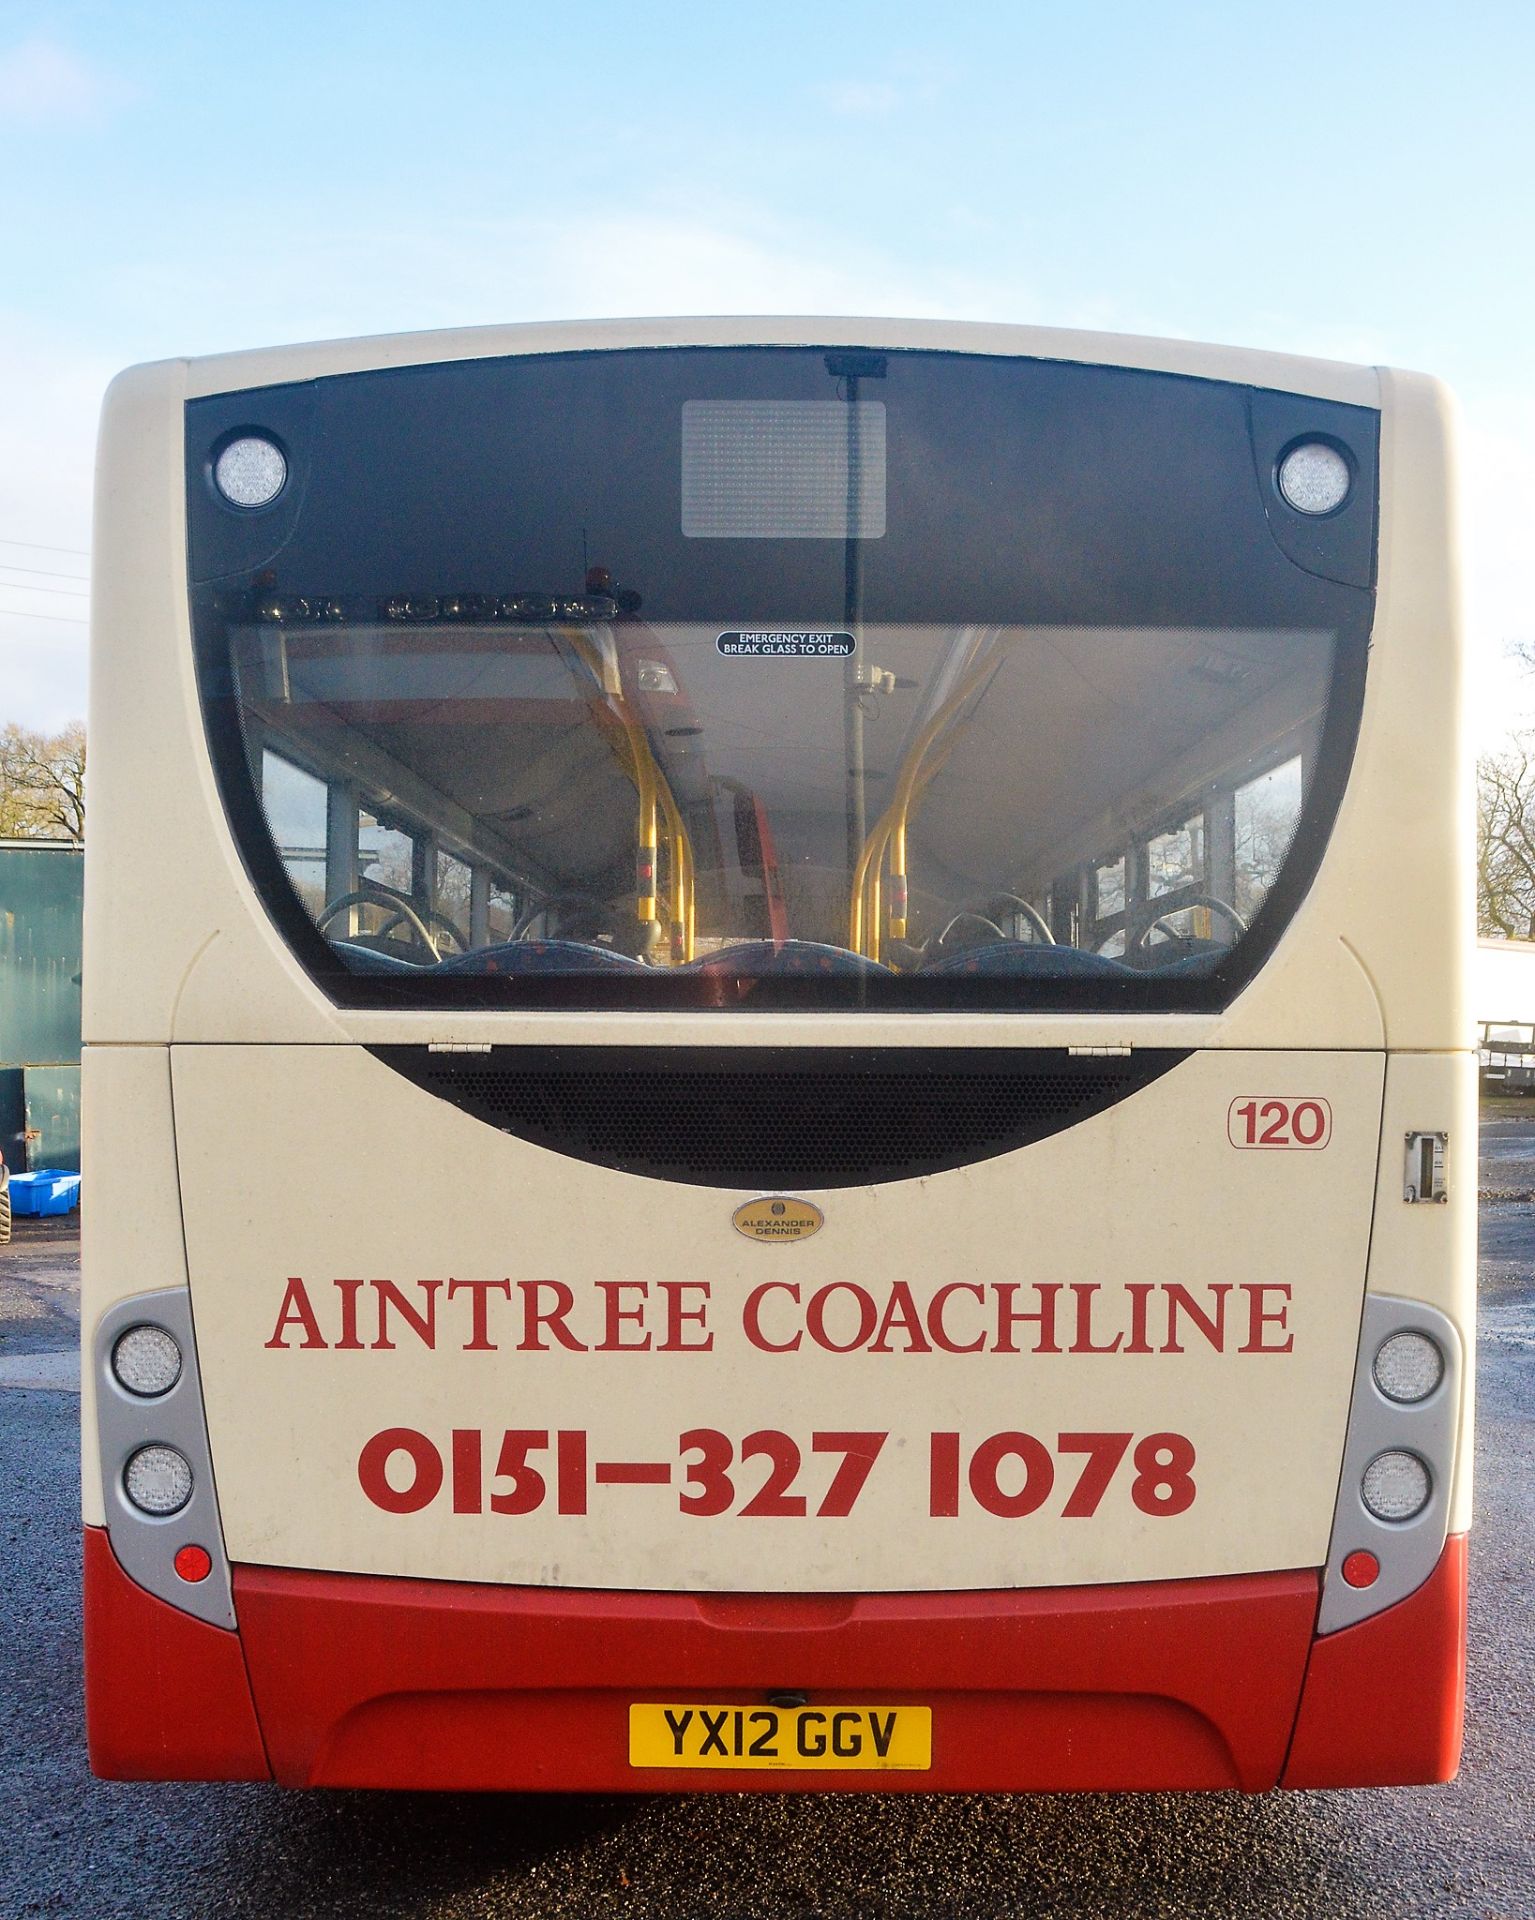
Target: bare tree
[[42, 783], [1266, 813], [1505, 842]]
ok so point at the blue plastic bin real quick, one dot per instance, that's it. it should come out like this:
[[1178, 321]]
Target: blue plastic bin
[[46, 1191]]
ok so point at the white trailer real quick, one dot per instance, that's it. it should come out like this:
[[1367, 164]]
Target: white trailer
[[1503, 1001]]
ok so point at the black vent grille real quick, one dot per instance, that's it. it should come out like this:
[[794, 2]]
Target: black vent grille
[[780, 1117]]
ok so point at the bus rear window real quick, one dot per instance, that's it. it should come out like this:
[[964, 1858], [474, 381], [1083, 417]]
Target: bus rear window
[[708, 677]]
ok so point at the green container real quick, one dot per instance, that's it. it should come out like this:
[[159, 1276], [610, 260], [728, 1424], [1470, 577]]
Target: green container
[[53, 1117], [40, 898]]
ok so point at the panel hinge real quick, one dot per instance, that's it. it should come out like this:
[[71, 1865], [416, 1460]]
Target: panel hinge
[[458, 1046], [1119, 1050]]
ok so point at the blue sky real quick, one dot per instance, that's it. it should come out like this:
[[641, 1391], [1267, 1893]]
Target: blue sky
[[1353, 180]]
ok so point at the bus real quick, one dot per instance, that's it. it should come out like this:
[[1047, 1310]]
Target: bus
[[777, 1083]]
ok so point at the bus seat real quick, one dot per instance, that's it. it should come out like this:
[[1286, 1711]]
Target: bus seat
[[1027, 959], [370, 960], [540, 956], [1194, 956], [764, 958]]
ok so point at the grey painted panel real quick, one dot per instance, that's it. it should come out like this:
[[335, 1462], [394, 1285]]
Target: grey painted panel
[[1408, 1550], [146, 1545]]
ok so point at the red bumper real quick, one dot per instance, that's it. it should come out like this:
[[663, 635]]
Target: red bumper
[[166, 1697], [365, 1681], [1384, 1701]]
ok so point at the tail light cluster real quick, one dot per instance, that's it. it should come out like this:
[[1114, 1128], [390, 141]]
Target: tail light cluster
[[1398, 1457], [156, 1473]]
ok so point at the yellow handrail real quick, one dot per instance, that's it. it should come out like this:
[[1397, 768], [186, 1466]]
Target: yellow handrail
[[864, 915], [867, 902], [906, 788], [682, 876], [655, 797]]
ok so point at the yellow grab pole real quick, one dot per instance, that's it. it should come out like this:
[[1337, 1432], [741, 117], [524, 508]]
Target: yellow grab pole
[[655, 796], [864, 918], [907, 789], [681, 877]]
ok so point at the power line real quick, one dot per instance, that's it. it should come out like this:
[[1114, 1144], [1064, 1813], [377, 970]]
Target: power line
[[64, 593], [61, 619], [48, 573], [42, 546]]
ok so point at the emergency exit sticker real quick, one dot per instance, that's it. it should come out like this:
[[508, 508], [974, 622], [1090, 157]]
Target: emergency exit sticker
[[771, 643]]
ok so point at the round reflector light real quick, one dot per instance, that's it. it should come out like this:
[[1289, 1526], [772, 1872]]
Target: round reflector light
[[250, 471], [193, 1563], [1396, 1485], [158, 1480], [147, 1361], [1314, 477], [1408, 1367], [1361, 1569]]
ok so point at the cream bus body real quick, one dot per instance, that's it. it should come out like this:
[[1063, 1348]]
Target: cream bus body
[[360, 1257]]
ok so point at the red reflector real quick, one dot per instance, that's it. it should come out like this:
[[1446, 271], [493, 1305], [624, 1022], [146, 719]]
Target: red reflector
[[1361, 1569], [195, 1563]]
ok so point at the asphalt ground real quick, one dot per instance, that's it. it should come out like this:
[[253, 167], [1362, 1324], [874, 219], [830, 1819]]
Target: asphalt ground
[[73, 1845]]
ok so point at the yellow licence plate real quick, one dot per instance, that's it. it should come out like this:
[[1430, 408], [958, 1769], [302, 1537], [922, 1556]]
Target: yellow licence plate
[[844, 1738]]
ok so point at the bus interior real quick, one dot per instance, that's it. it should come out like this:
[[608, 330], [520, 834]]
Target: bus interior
[[518, 783]]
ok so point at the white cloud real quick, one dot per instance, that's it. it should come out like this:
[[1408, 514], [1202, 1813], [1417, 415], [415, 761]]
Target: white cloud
[[585, 266], [670, 264], [42, 83], [860, 99]]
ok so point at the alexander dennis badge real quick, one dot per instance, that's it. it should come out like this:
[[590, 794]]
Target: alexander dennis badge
[[778, 1218]]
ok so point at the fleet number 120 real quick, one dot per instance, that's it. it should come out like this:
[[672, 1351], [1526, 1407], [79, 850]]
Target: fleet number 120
[[1258, 1121]]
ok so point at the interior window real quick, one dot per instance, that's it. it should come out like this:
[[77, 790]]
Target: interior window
[[1176, 859], [501, 914], [453, 900], [295, 803], [1109, 882], [1267, 814], [385, 855]]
